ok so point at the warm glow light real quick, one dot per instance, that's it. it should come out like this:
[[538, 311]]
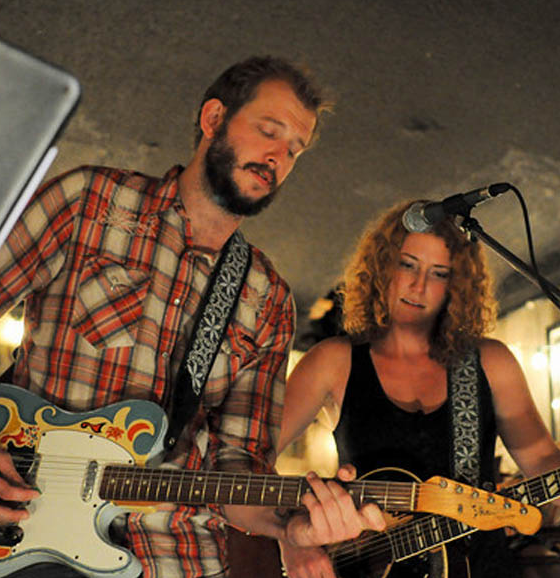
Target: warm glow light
[[539, 361], [295, 356], [517, 352], [555, 363], [555, 403], [11, 330]]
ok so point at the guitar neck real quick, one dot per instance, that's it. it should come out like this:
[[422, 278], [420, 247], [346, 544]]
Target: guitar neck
[[426, 532], [536, 491], [139, 484]]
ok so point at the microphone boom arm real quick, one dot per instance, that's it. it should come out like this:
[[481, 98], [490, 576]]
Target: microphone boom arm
[[472, 226]]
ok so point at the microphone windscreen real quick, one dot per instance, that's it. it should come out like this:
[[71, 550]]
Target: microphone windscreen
[[414, 220]]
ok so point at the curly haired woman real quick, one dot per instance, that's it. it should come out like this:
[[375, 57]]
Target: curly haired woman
[[415, 306]]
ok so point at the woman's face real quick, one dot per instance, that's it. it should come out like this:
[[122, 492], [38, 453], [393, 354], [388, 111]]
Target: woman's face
[[418, 289]]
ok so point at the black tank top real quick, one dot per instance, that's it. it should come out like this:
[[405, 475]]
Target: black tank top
[[374, 433]]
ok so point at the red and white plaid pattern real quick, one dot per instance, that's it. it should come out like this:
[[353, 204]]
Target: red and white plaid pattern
[[105, 263]]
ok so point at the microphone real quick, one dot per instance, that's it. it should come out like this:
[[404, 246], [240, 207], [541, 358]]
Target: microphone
[[421, 216]]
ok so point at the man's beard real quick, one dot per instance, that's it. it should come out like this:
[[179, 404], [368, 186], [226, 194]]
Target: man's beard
[[219, 163]]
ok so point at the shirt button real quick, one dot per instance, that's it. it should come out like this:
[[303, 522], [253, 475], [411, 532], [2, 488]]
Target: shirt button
[[165, 355], [176, 301]]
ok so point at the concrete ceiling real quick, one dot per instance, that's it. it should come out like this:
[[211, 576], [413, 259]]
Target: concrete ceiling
[[433, 98]]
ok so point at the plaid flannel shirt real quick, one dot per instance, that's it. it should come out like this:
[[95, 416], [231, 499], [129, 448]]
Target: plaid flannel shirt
[[105, 264]]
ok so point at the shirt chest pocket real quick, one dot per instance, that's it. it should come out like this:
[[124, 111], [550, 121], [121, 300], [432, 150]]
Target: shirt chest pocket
[[239, 346], [109, 303]]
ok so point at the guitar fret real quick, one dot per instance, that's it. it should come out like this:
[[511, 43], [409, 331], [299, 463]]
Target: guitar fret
[[420, 540], [431, 530], [169, 486], [211, 485], [204, 491], [245, 501], [518, 492], [412, 541], [231, 489], [159, 485], [127, 485], [148, 485], [191, 486], [136, 486], [299, 493], [552, 485], [221, 487], [263, 489], [530, 492], [280, 492], [395, 539], [447, 528], [409, 542]]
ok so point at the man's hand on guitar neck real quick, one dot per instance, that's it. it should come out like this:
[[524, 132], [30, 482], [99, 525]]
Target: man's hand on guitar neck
[[13, 489], [331, 515]]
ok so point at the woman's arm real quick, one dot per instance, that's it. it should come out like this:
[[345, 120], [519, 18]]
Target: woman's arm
[[518, 420], [320, 375]]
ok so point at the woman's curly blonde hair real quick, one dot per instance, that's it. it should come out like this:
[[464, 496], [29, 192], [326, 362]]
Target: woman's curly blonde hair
[[470, 310]]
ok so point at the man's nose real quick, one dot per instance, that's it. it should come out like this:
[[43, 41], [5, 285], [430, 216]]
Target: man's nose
[[277, 153]]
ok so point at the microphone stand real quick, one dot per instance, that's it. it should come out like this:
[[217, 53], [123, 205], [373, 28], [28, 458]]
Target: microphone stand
[[474, 230]]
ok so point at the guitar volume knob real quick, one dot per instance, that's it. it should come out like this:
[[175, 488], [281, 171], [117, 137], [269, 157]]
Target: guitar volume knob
[[11, 535]]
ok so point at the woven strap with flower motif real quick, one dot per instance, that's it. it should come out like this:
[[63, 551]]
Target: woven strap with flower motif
[[463, 380], [224, 288]]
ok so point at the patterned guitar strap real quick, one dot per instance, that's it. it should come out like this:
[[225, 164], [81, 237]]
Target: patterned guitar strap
[[215, 311], [465, 451], [465, 411]]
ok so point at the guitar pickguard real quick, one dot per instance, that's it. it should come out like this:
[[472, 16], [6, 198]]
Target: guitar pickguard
[[69, 523]]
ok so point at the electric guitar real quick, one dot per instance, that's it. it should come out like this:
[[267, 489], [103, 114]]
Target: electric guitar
[[94, 465], [372, 554]]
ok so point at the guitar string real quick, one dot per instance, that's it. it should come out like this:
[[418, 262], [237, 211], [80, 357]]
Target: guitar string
[[59, 467], [400, 489], [373, 486], [199, 488], [368, 551], [343, 554], [375, 544], [205, 478], [124, 471]]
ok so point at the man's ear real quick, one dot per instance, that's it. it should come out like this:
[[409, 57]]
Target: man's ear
[[211, 117]]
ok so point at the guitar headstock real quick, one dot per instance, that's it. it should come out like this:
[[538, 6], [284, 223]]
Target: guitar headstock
[[475, 507]]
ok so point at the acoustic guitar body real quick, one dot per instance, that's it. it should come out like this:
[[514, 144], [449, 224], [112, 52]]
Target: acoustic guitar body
[[361, 558]]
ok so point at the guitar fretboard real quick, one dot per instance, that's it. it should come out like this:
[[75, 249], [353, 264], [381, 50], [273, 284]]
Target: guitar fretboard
[[424, 533], [536, 491], [136, 484]]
